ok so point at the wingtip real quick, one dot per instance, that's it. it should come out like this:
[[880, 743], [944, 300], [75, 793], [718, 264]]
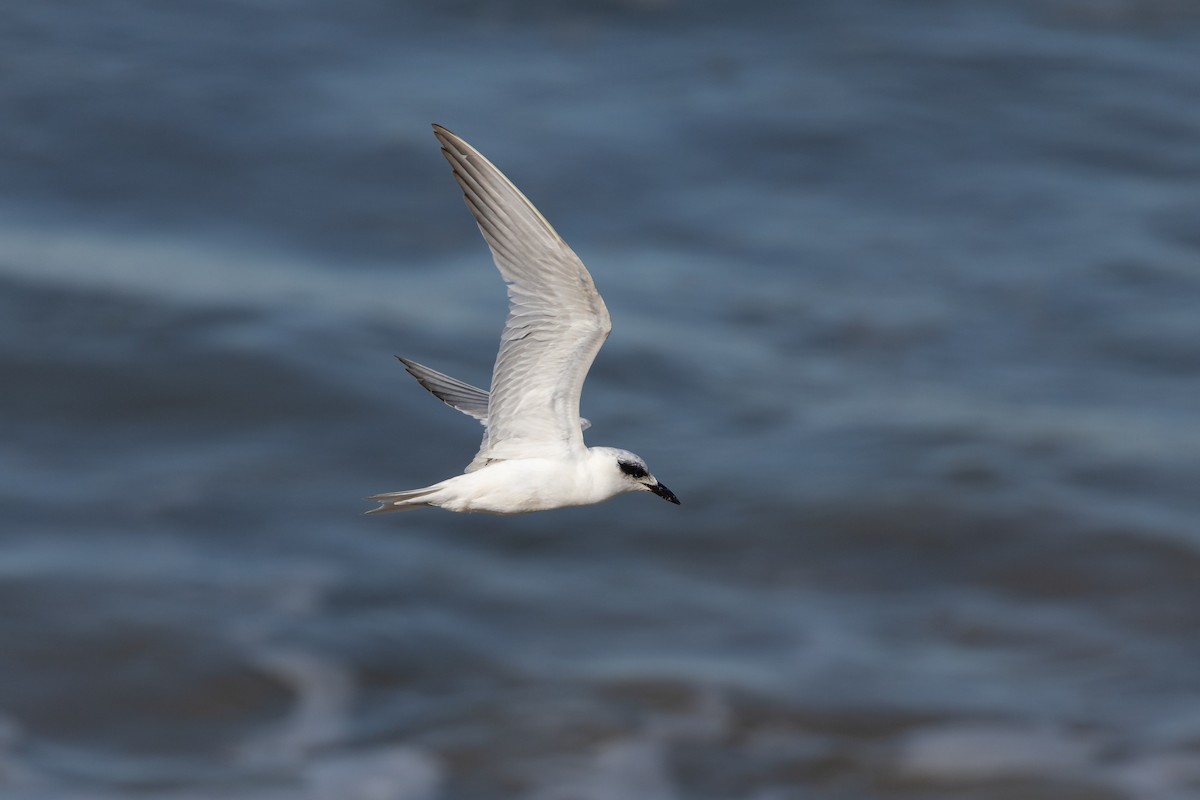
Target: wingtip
[[444, 135], [409, 366], [455, 150]]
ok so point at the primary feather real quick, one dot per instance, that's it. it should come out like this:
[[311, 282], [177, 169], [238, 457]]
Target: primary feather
[[556, 322], [459, 395]]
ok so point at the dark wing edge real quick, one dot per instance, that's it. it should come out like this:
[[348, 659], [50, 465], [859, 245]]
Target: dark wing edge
[[459, 395]]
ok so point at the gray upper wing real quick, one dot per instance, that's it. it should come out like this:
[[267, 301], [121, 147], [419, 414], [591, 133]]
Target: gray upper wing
[[556, 323], [471, 400], [459, 395]]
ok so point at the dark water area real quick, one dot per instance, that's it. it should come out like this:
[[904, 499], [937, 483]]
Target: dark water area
[[906, 305]]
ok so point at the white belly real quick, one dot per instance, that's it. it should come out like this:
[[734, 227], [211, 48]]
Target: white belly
[[520, 486]]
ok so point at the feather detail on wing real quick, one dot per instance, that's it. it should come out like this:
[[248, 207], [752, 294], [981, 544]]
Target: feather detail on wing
[[556, 323], [468, 399], [459, 395]]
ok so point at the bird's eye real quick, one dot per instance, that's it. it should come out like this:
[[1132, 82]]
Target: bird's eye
[[632, 470]]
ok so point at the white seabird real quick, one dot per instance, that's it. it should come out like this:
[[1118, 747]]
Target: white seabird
[[533, 457]]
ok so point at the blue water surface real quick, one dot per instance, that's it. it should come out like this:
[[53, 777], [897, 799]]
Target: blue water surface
[[906, 305]]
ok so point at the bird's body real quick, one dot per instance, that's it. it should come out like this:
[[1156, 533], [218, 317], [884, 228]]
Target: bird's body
[[522, 485], [533, 457]]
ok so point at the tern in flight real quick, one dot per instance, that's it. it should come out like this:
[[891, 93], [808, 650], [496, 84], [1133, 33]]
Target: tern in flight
[[533, 457]]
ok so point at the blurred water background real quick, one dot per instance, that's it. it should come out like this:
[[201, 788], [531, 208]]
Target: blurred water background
[[906, 303]]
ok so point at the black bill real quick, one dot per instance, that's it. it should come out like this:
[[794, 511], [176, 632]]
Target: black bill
[[665, 493]]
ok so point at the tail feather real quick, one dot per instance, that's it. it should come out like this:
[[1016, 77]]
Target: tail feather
[[401, 501]]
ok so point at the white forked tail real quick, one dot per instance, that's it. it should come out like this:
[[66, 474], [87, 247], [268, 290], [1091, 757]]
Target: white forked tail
[[402, 501]]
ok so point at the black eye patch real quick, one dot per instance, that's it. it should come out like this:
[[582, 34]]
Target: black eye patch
[[632, 470]]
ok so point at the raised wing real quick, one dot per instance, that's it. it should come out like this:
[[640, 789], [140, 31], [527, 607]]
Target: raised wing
[[470, 400], [556, 323]]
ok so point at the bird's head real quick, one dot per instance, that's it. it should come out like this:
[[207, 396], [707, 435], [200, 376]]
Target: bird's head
[[633, 471]]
